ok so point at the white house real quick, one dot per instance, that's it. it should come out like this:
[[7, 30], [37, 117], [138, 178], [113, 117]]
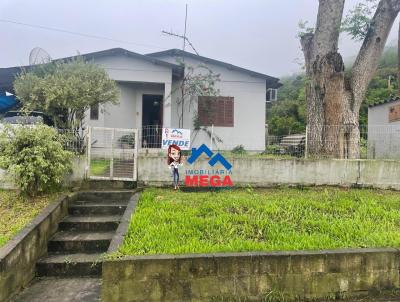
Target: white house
[[149, 92]]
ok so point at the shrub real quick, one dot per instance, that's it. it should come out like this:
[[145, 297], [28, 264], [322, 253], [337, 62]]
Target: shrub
[[34, 157], [272, 149], [239, 150]]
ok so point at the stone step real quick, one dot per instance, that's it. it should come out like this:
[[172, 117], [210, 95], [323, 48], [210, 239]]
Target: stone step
[[104, 201], [105, 195], [90, 223], [61, 290], [80, 242], [68, 265], [97, 209]]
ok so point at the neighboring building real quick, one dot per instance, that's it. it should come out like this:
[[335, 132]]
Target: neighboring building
[[384, 130], [148, 100]]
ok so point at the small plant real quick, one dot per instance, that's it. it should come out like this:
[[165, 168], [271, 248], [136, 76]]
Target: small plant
[[239, 150], [127, 140], [34, 157], [272, 149]]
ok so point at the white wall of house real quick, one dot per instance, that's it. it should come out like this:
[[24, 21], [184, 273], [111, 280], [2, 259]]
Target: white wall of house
[[383, 136], [249, 109], [134, 77]]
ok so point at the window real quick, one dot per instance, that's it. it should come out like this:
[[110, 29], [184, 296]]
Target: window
[[272, 95], [94, 112], [217, 111]]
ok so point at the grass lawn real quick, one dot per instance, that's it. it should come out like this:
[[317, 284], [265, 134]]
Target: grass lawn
[[16, 212], [169, 222], [98, 167]]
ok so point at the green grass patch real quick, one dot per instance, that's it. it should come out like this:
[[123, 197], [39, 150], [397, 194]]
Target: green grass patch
[[16, 212], [98, 167], [169, 222]]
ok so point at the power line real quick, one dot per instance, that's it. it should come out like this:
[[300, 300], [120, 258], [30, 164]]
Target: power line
[[79, 33]]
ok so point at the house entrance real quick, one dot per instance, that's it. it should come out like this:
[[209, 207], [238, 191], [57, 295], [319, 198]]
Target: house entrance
[[152, 120]]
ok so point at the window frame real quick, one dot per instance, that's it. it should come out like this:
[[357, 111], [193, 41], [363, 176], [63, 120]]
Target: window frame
[[272, 92]]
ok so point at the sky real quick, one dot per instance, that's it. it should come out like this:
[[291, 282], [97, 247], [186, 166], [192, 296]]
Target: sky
[[260, 35]]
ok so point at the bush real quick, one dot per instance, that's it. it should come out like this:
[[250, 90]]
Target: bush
[[272, 149], [239, 150], [35, 157]]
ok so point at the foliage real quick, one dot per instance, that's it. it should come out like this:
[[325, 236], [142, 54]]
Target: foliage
[[239, 150], [304, 29], [198, 80], [35, 157], [288, 115], [99, 167], [169, 222], [358, 21], [65, 90], [17, 211]]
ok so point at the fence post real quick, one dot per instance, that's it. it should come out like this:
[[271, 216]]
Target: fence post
[[135, 156], [88, 151], [306, 144], [212, 134], [112, 154]]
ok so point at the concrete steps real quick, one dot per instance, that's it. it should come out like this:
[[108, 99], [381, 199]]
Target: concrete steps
[[78, 242], [77, 249], [70, 265], [90, 223], [97, 209]]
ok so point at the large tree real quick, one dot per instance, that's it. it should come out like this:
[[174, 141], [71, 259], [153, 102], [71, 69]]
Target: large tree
[[333, 97]]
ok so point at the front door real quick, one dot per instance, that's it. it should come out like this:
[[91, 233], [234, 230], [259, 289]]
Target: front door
[[152, 121]]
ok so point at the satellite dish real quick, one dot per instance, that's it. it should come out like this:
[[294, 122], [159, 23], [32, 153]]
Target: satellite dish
[[39, 56]]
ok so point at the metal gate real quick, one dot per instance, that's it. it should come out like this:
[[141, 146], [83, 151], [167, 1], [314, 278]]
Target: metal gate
[[112, 153]]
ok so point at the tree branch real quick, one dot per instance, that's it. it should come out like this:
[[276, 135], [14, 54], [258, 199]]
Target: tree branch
[[372, 48]]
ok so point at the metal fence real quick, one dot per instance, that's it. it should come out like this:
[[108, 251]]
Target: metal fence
[[376, 142], [112, 153]]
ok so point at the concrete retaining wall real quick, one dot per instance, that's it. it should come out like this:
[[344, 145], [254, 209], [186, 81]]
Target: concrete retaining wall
[[18, 257], [251, 276], [261, 172]]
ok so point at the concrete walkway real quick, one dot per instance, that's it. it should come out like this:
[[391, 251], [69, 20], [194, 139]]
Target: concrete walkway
[[62, 290]]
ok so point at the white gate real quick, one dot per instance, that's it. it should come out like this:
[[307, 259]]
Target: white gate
[[112, 153]]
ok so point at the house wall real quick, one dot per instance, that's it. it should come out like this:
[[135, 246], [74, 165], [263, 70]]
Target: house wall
[[249, 109], [383, 136], [134, 77]]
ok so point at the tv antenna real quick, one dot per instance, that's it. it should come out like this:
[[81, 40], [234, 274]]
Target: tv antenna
[[184, 36], [39, 56]]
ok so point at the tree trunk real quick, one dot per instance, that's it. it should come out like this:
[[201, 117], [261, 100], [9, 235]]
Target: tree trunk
[[398, 61], [333, 101]]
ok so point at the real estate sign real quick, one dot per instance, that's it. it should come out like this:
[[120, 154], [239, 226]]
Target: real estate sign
[[175, 136]]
